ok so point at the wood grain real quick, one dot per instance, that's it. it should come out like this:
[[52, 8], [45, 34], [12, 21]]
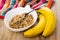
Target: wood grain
[[6, 34]]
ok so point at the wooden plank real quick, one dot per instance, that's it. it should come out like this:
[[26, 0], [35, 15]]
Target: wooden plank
[[58, 18]]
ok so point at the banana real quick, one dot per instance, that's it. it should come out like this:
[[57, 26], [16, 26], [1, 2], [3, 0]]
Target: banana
[[51, 20], [36, 29]]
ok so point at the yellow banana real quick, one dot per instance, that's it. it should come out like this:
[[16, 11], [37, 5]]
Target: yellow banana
[[51, 20], [36, 29]]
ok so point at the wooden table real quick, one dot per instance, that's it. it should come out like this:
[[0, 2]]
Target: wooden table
[[6, 34]]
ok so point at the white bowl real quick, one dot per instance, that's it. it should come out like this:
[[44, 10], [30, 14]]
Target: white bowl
[[16, 11]]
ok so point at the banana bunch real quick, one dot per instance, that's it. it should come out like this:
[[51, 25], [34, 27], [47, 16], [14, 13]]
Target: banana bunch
[[46, 24]]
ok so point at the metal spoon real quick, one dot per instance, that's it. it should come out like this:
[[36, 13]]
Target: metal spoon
[[30, 12], [35, 9]]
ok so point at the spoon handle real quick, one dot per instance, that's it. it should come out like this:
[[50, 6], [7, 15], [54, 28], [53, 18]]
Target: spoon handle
[[36, 8]]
